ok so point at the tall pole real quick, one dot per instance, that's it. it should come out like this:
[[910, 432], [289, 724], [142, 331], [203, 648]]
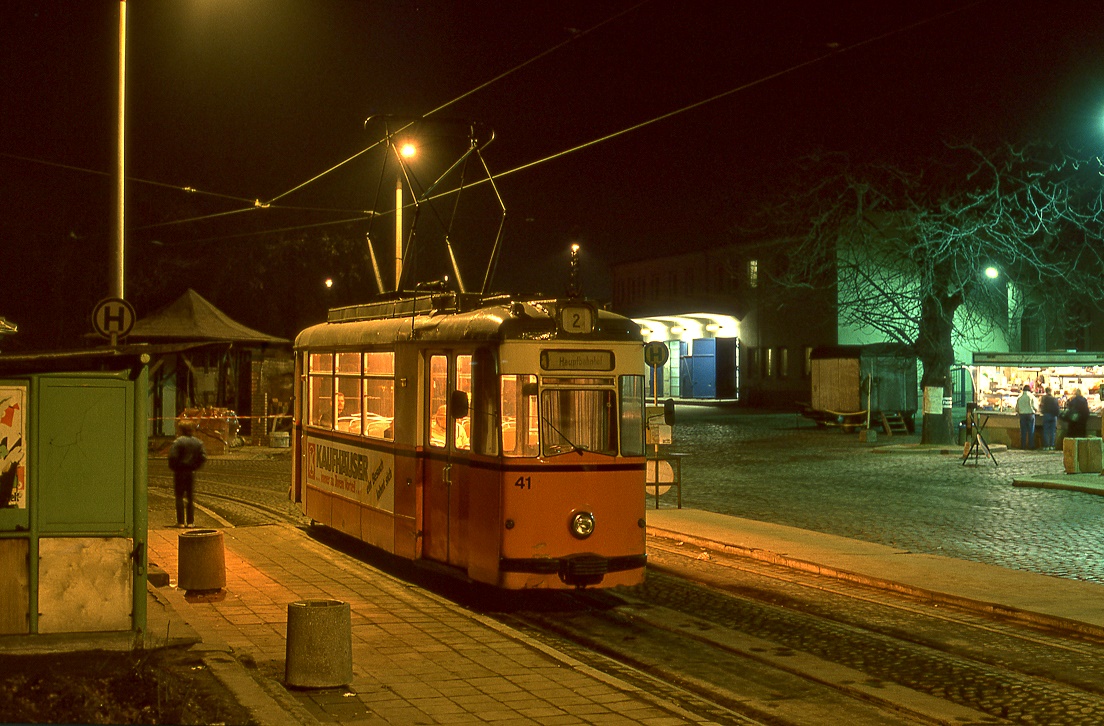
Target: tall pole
[[119, 268], [398, 231]]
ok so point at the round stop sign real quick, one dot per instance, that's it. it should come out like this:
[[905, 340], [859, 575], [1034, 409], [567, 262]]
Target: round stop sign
[[656, 354]]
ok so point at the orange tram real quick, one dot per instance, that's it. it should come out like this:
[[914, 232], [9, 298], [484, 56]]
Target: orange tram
[[498, 436]]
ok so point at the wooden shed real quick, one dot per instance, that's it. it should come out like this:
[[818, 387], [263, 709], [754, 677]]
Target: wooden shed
[[864, 385]]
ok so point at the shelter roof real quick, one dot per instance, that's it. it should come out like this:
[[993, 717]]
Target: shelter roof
[[193, 318]]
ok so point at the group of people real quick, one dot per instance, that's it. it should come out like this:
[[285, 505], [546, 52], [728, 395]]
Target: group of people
[[1076, 416]]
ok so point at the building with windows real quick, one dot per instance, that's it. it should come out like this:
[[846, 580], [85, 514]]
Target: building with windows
[[733, 332]]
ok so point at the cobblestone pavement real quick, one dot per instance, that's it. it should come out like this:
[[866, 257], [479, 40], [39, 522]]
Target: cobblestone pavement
[[780, 468]]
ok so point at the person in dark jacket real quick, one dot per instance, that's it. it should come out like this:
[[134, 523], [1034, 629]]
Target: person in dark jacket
[[1077, 414], [1051, 410], [185, 456]]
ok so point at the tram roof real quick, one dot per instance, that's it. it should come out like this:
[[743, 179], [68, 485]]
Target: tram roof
[[458, 317]]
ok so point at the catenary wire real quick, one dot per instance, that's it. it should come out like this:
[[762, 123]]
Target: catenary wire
[[257, 204], [662, 117]]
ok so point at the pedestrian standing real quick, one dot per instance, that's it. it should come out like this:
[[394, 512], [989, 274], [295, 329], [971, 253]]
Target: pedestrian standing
[[1025, 407], [185, 456], [1050, 409], [1077, 414]]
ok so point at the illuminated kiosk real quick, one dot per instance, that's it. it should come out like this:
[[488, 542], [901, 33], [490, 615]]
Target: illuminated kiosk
[[73, 524], [999, 377]]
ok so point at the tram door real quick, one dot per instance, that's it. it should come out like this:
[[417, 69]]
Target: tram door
[[447, 439]]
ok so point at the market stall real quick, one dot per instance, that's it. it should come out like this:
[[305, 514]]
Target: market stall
[[999, 378]]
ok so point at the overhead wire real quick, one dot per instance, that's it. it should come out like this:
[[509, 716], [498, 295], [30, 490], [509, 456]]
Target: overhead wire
[[255, 204], [454, 101], [743, 87], [368, 214], [96, 172], [835, 52]]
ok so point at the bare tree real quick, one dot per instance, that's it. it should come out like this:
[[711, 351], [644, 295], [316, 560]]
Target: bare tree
[[908, 253]]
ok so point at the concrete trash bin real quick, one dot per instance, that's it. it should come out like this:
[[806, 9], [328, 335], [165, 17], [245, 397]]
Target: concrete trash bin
[[319, 652], [200, 561], [1082, 455]]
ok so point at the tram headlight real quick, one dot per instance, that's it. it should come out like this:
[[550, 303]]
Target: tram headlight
[[582, 525]]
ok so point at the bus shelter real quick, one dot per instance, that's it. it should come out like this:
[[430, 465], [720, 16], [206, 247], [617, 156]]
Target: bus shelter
[[73, 524]]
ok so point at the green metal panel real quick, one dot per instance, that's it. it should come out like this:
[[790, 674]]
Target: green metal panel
[[85, 454]]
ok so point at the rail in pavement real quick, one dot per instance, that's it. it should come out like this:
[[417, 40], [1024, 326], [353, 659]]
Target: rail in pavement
[[1040, 599]]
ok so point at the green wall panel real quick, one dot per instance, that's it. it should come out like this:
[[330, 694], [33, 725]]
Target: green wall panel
[[84, 455]]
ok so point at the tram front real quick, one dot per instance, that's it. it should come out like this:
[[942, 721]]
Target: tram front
[[573, 458]]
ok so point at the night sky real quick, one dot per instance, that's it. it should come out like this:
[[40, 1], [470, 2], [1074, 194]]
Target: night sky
[[245, 100]]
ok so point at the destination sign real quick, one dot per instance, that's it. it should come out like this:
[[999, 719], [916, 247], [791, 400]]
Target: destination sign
[[576, 360]]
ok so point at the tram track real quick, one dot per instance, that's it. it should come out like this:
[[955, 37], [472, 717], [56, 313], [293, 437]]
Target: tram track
[[912, 604], [735, 640], [246, 494], [780, 646], [729, 680]]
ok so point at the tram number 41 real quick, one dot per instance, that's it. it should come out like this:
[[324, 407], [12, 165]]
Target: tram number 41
[[524, 482]]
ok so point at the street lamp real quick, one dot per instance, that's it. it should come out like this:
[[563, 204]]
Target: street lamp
[[407, 150], [992, 273], [573, 290]]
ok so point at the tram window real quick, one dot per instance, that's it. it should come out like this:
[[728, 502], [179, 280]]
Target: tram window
[[321, 362], [379, 395], [519, 416], [348, 363], [347, 404], [321, 401], [632, 415], [379, 364], [578, 419], [464, 383], [438, 400]]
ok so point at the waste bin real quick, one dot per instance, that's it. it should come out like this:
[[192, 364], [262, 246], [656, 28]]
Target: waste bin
[[319, 649], [200, 561]]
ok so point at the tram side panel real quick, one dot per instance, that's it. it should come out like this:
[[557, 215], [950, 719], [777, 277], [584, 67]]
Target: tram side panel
[[408, 488], [484, 524], [407, 521]]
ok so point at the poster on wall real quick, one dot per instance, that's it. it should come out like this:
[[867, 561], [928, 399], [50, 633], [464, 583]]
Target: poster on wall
[[13, 452]]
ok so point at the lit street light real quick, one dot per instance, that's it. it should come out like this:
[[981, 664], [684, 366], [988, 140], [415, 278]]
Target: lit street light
[[407, 150]]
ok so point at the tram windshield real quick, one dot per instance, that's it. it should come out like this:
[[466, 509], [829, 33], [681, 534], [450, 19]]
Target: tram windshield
[[578, 420]]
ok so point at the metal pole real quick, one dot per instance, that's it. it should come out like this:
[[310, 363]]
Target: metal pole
[[119, 271], [398, 231]]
